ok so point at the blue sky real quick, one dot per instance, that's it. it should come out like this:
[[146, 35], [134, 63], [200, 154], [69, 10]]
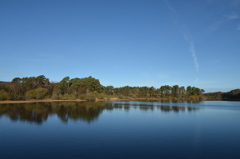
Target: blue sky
[[123, 42]]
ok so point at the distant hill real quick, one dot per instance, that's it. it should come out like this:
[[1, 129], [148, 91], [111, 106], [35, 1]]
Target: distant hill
[[4, 82], [233, 95]]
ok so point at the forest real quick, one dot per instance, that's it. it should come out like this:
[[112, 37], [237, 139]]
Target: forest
[[89, 88], [233, 95]]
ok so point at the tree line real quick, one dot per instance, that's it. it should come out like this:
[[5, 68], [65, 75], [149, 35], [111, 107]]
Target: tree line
[[233, 95], [88, 88]]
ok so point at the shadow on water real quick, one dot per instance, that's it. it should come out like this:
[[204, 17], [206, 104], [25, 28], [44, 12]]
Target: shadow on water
[[84, 111]]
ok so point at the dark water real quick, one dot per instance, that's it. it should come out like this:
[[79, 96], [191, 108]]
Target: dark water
[[209, 129]]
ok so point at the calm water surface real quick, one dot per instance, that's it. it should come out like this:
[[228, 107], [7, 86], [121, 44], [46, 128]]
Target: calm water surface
[[134, 129]]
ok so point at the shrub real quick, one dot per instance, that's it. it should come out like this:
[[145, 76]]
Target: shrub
[[101, 96], [90, 97], [41, 93], [38, 93], [83, 96], [31, 94], [121, 96], [68, 97], [4, 95]]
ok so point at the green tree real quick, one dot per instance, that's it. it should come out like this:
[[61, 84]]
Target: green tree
[[143, 92], [40, 80], [152, 91], [17, 80], [166, 90], [182, 91], [109, 90], [87, 84], [175, 91], [64, 85], [189, 90]]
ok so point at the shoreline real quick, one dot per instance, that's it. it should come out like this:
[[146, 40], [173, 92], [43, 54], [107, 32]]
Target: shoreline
[[79, 100], [38, 101], [76, 100]]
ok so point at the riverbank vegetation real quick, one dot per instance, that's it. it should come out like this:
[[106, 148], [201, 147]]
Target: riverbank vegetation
[[89, 88]]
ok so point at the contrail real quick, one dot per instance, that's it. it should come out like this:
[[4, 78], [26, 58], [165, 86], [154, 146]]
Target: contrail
[[187, 36], [192, 50]]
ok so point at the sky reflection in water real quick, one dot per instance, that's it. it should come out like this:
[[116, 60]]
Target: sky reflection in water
[[120, 130]]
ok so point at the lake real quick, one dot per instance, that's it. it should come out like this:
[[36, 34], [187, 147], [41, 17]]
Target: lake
[[129, 129]]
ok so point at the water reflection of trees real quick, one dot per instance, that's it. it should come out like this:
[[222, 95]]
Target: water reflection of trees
[[84, 111], [39, 112], [26, 112], [176, 108], [151, 107]]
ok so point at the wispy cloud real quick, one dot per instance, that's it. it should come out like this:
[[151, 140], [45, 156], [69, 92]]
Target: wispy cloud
[[19, 75], [235, 3], [162, 76], [145, 74], [1, 70], [171, 83], [34, 59], [238, 28], [210, 1], [216, 25], [196, 80], [40, 58], [232, 16], [186, 34], [169, 6]]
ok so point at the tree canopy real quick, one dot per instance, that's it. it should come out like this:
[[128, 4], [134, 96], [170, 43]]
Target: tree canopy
[[88, 88]]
